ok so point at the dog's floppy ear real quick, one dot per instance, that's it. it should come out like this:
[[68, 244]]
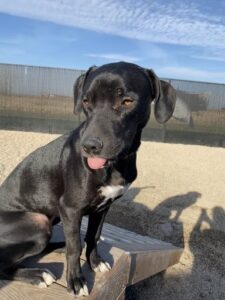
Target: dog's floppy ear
[[78, 89], [164, 97]]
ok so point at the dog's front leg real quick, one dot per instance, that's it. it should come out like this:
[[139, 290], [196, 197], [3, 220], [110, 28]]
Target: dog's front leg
[[71, 220], [94, 229]]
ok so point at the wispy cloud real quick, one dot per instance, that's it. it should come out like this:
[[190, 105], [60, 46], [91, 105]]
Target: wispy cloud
[[177, 22], [191, 74], [211, 57], [114, 57], [211, 54], [37, 38], [35, 46], [20, 43]]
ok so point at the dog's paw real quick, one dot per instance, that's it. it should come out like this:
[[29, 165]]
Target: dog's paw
[[78, 287], [40, 277], [83, 291], [44, 279], [48, 277], [97, 264], [102, 267]]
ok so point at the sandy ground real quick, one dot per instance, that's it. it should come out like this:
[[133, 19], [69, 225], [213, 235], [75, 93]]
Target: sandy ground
[[179, 196]]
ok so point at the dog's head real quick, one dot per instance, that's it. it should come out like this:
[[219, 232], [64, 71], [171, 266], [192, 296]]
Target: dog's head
[[116, 99]]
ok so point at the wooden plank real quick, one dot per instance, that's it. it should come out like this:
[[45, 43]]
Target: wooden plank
[[133, 258], [21, 291], [146, 264], [128, 240], [105, 286]]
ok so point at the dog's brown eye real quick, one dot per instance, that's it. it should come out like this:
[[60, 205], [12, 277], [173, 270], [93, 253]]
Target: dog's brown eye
[[127, 102]]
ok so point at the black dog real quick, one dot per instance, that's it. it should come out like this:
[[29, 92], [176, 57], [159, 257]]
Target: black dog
[[81, 173]]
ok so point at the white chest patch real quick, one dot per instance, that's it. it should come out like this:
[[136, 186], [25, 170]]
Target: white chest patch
[[111, 192]]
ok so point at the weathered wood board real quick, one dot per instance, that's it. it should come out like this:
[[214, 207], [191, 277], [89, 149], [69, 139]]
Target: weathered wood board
[[132, 257]]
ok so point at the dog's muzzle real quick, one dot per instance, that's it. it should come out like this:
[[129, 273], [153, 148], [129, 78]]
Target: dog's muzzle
[[92, 148]]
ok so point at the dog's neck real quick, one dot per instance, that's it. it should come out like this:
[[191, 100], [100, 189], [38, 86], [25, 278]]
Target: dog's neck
[[134, 146], [125, 168]]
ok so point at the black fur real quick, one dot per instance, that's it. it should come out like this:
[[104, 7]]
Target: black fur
[[55, 181]]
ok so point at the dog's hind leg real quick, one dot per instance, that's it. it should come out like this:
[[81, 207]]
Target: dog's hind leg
[[23, 234], [40, 277]]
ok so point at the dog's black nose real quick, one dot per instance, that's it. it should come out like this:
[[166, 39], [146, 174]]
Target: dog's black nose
[[92, 146]]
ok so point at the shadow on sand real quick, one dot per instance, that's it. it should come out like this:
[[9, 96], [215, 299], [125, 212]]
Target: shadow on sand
[[201, 271]]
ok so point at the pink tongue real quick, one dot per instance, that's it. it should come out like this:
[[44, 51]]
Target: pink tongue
[[96, 162]]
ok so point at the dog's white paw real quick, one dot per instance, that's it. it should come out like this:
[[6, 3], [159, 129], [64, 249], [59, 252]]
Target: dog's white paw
[[83, 291], [42, 285], [102, 267], [48, 278]]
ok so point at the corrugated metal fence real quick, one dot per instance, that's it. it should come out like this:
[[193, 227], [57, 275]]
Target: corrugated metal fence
[[36, 81], [40, 99]]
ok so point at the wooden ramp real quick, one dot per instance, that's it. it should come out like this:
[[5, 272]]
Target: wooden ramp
[[132, 257]]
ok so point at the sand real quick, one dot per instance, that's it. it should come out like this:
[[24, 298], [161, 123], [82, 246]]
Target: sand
[[179, 196]]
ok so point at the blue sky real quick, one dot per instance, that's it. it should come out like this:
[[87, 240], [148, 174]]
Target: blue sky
[[182, 39]]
